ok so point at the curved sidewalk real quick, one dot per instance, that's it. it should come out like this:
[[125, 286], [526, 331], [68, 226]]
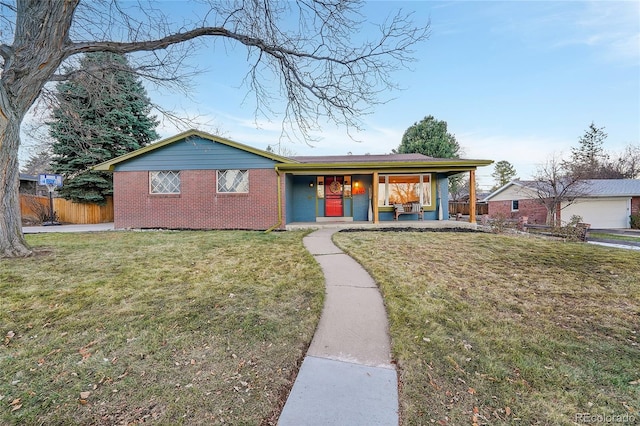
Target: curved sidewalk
[[347, 377]]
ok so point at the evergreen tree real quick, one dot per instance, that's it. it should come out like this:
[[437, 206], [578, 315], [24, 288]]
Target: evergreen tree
[[589, 158], [102, 112], [503, 173], [429, 137]]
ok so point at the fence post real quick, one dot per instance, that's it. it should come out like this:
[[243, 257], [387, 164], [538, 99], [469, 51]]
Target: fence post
[[522, 222]]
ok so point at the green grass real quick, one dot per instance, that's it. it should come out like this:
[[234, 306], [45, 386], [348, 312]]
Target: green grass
[[495, 329], [605, 236], [162, 327]]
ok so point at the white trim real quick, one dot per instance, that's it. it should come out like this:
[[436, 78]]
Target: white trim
[[233, 190], [176, 174], [421, 184]]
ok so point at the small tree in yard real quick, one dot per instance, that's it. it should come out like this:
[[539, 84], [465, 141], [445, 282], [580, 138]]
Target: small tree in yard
[[554, 185], [308, 47], [101, 112]]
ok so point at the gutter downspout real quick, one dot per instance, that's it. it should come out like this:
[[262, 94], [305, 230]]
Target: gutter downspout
[[279, 223]]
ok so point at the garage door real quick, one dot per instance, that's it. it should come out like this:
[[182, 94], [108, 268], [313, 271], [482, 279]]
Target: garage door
[[600, 213]]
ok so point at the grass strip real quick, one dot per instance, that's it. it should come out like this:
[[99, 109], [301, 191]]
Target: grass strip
[[605, 236]]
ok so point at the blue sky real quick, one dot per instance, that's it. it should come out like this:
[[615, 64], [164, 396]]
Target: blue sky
[[516, 81]]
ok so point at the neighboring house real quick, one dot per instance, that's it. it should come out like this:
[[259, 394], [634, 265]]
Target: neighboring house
[[199, 181], [602, 203], [480, 196], [28, 184]]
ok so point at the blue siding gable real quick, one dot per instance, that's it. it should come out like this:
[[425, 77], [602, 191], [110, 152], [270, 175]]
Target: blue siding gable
[[196, 153]]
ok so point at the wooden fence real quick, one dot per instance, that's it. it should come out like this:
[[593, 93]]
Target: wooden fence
[[33, 206], [463, 208]]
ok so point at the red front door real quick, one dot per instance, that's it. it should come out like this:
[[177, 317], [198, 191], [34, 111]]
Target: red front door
[[333, 196]]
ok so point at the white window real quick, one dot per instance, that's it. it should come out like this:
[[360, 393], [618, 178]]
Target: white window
[[404, 189], [515, 205], [233, 181], [164, 182]]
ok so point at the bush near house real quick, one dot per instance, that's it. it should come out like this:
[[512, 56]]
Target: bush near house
[[635, 221]]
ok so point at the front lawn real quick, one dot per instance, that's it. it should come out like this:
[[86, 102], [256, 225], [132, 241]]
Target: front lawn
[[494, 329], [161, 327]]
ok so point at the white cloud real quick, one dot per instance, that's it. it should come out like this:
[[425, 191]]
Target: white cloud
[[611, 27]]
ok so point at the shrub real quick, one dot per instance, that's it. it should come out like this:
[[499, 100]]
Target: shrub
[[500, 224], [635, 221], [40, 212], [574, 230]]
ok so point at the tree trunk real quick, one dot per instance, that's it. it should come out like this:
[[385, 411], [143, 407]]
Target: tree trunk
[[552, 214], [41, 30], [12, 242]]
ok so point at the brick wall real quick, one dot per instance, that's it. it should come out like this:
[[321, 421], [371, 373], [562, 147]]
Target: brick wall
[[198, 206], [635, 205], [535, 212]]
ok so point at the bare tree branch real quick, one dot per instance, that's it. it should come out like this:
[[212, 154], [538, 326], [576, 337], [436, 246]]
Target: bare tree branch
[[313, 50], [556, 188]]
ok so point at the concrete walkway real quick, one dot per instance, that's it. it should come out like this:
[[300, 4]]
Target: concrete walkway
[[98, 227], [347, 377]]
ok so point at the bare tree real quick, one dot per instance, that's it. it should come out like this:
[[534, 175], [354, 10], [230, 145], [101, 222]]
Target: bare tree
[[458, 187], [555, 187], [39, 162], [319, 71], [624, 166]]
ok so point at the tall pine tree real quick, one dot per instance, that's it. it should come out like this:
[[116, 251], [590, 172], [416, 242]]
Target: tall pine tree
[[589, 158], [102, 112]]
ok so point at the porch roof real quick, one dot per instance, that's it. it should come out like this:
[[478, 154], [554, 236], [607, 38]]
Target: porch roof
[[379, 163], [361, 158]]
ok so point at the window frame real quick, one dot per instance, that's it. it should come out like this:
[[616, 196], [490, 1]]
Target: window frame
[[515, 205], [176, 173], [425, 182], [245, 176]]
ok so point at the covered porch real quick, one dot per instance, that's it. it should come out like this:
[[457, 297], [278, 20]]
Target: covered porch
[[361, 190]]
